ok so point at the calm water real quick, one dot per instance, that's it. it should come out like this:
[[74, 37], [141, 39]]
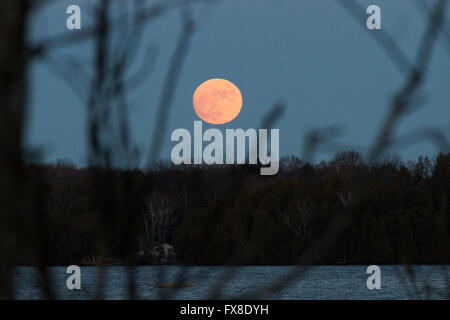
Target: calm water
[[319, 282]]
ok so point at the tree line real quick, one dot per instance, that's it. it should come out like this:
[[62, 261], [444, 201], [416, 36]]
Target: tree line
[[231, 214]]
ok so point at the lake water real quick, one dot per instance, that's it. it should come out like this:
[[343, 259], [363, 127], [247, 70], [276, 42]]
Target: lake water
[[318, 282]]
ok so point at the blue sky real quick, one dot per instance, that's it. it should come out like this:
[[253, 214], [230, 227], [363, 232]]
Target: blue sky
[[309, 54]]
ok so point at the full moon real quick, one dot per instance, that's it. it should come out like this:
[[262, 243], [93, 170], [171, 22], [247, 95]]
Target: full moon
[[217, 101]]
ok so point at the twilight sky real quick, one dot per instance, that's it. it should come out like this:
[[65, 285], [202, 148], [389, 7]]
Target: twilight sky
[[310, 54]]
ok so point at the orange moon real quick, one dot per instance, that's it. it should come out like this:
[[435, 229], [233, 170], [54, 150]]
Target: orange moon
[[217, 101]]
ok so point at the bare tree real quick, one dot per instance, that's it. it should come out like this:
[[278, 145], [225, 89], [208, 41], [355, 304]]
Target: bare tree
[[158, 219], [299, 220], [346, 198]]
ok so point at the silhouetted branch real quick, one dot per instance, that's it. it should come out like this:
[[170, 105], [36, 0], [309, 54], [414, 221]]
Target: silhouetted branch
[[170, 83]]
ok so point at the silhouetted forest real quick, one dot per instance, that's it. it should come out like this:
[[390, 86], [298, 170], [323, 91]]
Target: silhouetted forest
[[232, 215]]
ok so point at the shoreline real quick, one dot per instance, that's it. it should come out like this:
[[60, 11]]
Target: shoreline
[[243, 265]]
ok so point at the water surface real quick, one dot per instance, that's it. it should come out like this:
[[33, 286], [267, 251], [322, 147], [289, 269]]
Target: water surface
[[318, 282]]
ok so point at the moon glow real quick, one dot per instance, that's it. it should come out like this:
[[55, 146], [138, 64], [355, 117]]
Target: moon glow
[[217, 101]]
